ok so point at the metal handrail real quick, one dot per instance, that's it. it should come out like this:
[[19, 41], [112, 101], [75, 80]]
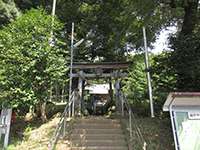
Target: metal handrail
[[132, 124], [62, 122]]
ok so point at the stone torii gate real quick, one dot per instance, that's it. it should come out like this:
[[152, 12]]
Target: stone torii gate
[[110, 70]]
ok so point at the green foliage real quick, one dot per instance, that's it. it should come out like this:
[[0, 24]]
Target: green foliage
[[186, 61], [28, 4], [113, 24], [28, 63], [118, 24], [107, 27], [163, 81], [136, 85], [8, 11]]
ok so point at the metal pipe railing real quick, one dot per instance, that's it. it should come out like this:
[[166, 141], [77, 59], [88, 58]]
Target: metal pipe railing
[[62, 122], [130, 124], [131, 118]]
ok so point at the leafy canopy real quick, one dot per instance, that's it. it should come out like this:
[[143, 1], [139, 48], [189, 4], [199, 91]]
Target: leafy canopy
[[28, 63]]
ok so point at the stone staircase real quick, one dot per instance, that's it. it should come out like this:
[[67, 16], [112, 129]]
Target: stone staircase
[[97, 133]]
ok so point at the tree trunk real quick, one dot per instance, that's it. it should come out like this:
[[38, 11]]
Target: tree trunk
[[43, 111], [51, 93], [63, 92], [190, 17]]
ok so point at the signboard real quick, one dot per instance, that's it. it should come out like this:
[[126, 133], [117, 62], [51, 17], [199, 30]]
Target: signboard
[[194, 115], [188, 130]]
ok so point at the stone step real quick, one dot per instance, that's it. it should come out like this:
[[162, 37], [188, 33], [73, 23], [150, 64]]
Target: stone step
[[97, 131], [99, 121], [96, 126], [99, 143], [99, 148], [98, 136]]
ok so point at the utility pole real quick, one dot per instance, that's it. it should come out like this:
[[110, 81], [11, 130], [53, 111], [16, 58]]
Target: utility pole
[[53, 14], [71, 65], [52, 22], [148, 73], [54, 8], [51, 39]]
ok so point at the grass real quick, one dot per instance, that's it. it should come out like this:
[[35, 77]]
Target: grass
[[156, 132], [32, 135]]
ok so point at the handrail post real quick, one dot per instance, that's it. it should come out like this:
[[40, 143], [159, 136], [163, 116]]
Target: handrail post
[[145, 146], [122, 105], [71, 67], [64, 124], [131, 126], [73, 99], [69, 111], [130, 123]]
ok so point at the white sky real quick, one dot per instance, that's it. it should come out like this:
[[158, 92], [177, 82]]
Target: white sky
[[162, 40]]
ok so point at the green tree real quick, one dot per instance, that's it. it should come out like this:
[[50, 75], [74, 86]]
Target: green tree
[[114, 25], [28, 4], [28, 62], [164, 79], [136, 85], [8, 11], [185, 58]]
